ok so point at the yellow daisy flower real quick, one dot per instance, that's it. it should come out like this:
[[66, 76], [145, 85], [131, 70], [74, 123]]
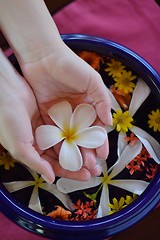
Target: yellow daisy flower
[[6, 160], [154, 120], [117, 205], [122, 120], [114, 68], [130, 199], [124, 82]]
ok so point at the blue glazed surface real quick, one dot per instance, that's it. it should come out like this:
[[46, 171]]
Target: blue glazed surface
[[107, 226]]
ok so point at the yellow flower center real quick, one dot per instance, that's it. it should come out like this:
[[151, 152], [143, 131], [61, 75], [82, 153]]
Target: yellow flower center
[[122, 120], [69, 134], [157, 120], [106, 180], [38, 182]]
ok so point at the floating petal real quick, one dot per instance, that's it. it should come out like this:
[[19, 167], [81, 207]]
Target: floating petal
[[131, 185], [121, 143], [34, 202], [70, 157], [66, 185], [18, 185], [61, 114], [47, 136], [92, 137], [103, 208], [83, 116], [128, 154], [152, 146], [140, 94]]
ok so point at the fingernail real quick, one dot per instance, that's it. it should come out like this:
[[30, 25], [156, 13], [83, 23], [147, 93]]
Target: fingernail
[[47, 179]]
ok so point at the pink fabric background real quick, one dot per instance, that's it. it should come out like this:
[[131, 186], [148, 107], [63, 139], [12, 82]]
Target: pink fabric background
[[133, 23]]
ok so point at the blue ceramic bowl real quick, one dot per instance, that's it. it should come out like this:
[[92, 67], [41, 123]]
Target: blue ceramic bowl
[[106, 226]]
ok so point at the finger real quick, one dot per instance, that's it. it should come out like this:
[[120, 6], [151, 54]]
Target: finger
[[26, 154], [90, 161], [97, 90], [103, 150], [82, 175]]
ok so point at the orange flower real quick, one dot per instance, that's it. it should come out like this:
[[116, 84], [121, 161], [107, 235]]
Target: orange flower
[[92, 58], [84, 211], [60, 213], [122, 98], [133, 167], [131, 139]]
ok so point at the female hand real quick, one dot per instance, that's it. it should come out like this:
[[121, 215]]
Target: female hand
[[20, 117], [62, 75]]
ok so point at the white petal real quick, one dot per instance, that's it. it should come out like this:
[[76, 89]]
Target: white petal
[[61, 113], [103, 208], [70, 157], [17, 185], [140, 93], [103, 166], [92, 137], [134, 186], [64, 198], [83, 116], [114, 104], [127, 155], [152, 146], [122, 143], [34, 202], [66, 185], [47, 136]]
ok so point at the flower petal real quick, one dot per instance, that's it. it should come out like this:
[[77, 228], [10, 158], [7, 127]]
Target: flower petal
[[17, 185], [127, 155], [103, 208], [34, 202], [140, 93], [83, 116], [92, 137], [152, 146], [121, 143], [61, 113], [66, 185], [64, 198], [47, 136], [70, 157], [134, 186]]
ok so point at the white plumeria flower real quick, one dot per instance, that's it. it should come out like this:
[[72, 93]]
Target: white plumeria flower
[[135, 186], [140, 93], [74, 129], [37, 183]]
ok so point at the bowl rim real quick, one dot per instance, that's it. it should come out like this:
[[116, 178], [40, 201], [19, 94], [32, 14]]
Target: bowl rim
[[136, 210]]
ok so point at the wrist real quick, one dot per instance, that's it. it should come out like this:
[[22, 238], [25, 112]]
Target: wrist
[[29, 29]]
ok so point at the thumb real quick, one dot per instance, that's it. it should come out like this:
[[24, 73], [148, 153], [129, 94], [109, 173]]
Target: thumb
[[98, 92], [26, 154]]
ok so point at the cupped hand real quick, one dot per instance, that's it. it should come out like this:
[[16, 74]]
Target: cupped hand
[[62, 75], [20, 117]]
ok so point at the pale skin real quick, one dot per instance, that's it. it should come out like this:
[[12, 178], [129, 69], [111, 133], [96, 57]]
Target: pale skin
[[52, 72]]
